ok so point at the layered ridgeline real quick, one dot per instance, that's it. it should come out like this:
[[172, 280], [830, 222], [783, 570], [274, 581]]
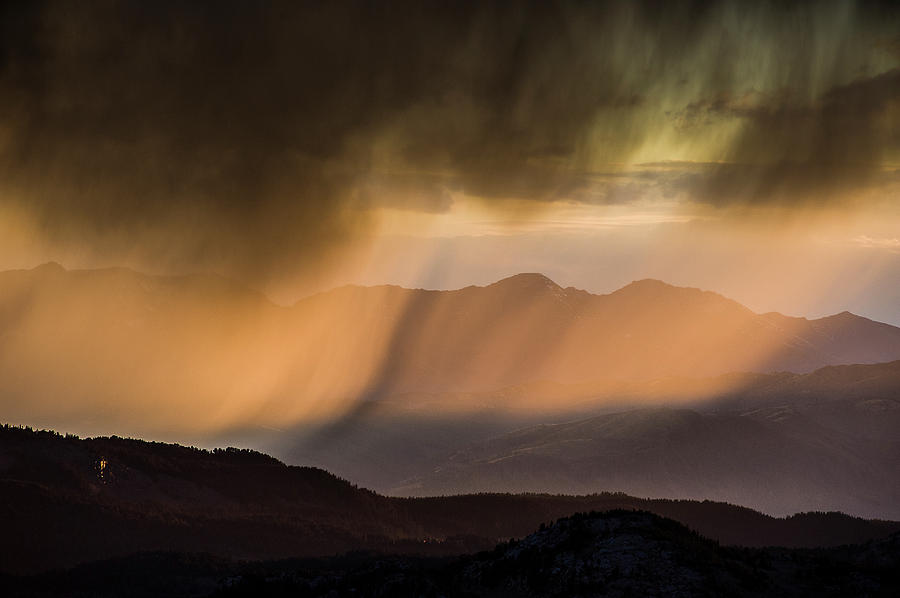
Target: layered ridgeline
[[115, 350], [821, 441], [67, 500], [780, 443]]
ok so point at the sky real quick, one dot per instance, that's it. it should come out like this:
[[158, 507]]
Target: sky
[[751, 148]]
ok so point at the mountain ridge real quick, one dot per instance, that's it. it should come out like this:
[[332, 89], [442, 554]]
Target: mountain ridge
[[216, 352], [825, 440], [529, 279], [69, 500]]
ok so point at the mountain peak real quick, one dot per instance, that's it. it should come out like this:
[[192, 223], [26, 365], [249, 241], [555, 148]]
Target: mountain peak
[[650, 282], [526, 280], [647, 284], [843, 316], [656, 291]]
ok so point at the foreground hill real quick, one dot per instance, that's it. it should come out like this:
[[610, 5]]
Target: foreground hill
[[615, 553], [201, 353], [68, 500]]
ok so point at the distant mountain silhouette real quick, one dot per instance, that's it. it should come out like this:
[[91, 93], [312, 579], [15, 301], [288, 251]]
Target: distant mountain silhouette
[[526, 328], [118, 347], [870, 384], [68, 500]]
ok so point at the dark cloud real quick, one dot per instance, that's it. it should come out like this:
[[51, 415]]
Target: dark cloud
[[796, 151], [241, 131], [246, 136]]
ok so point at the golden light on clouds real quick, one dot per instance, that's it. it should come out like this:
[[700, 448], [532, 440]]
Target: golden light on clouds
[[745, 148], [472, 217]]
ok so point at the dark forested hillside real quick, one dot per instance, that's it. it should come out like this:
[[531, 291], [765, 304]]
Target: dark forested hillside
[[614, 553], [68, 500]]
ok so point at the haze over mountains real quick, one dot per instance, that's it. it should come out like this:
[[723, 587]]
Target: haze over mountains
[[779, 443], [118, 351], [841, 455], [526, 328], [215, 170], [521, 385]]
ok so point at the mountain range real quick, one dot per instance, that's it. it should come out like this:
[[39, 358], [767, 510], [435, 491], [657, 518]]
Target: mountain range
[[118, 350], [777, 460], [780, 443], [652, 390], [526, 328]]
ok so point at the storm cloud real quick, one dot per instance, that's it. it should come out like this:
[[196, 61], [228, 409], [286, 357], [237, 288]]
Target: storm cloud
[[254, 138]]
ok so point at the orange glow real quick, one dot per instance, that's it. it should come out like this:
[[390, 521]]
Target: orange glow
[[117, 351]]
